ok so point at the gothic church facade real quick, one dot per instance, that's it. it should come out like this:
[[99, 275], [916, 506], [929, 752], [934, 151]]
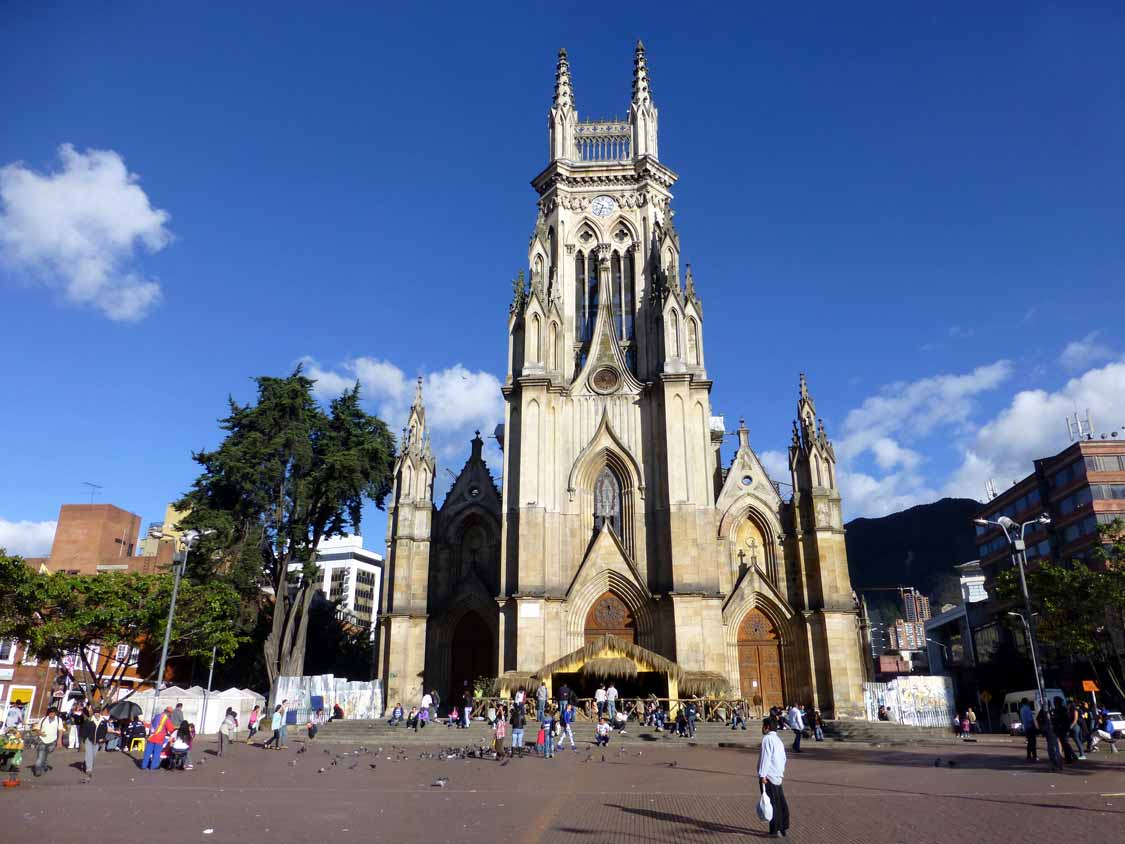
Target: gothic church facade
[[616, 513]]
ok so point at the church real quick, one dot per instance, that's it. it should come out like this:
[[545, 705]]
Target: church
[[616, 520]]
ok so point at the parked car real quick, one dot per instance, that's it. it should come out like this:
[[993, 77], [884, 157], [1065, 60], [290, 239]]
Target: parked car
[[1116, 724]]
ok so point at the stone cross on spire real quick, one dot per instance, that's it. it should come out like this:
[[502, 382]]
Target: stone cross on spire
[[641, 92]]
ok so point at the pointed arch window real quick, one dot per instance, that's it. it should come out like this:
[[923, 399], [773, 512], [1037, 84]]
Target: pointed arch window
[[816, 463], [674, 340], [553, 348], [591, 293], [618, 327], [580, 296], [607, 501], [536, 339], [629, 297], [693, 341]]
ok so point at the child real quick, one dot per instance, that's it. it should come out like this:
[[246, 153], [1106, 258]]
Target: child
[[601, 733], [312, 728], [454, 718], [499, 733], [540, 742], [568, 727], [252, 722], [549, 732]]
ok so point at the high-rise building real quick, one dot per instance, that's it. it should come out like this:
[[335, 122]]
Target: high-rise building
[[352, 577], [617, 514], [915, 605]]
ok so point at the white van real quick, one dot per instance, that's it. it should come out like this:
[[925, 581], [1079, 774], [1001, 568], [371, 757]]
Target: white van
[[1010, 710]]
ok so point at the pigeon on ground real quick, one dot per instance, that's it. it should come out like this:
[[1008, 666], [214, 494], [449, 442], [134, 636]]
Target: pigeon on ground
[[673, 763], [440, 782], [303, 749], [321, 770], [372, 765]]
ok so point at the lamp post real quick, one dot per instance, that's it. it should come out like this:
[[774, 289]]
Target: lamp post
[[1019, 560], [189, 539], [945, 648]]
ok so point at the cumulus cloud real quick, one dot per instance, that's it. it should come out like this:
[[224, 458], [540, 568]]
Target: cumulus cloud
[[1079, 354], [776, 464], [28, 539], [879, 471], [458, 401], [1033, 426], [80, 229]]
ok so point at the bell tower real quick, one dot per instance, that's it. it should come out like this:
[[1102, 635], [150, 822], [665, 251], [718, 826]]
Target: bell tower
[[825, 589], [402, 643]]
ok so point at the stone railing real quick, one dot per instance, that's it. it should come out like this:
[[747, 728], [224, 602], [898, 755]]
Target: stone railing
[[607, 140]]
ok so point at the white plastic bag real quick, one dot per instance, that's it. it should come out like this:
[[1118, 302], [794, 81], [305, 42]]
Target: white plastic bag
[[765, 808]]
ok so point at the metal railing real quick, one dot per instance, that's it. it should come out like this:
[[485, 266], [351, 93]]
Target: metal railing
[[607, 140]]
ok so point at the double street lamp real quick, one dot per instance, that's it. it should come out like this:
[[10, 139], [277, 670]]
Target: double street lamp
[[1014, 533], [179, 563]]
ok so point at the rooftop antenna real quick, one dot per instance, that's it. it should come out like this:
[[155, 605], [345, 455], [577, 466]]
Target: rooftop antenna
[[990, 488], [95, 489], [1080, 429]]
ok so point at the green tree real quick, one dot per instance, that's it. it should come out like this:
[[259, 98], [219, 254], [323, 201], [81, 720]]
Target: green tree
[[1076, 602], [287, 475], [60, 614]]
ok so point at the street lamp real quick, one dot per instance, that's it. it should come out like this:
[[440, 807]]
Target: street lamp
[[945, 648], [1019, 559], [189, 538]]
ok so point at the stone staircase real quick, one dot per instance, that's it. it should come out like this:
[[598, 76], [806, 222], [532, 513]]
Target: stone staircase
[[885, 732]]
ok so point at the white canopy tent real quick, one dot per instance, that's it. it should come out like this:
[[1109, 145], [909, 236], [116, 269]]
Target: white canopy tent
[[202, 708]]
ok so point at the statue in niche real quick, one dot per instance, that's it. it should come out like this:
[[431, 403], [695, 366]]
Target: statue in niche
[[473, 551]]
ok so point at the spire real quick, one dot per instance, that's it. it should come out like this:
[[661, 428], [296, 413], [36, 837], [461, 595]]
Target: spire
[[804, 387], [564, 92], [689, 283], [641, 92], [416, 436], [418, 394], [743, 434]]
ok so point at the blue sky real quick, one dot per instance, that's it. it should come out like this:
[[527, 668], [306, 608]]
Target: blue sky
[[921, 211]]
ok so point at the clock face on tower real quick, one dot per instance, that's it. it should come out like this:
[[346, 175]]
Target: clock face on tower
[[603, 205]]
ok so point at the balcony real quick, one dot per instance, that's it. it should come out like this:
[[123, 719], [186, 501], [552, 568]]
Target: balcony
[[602, 141]]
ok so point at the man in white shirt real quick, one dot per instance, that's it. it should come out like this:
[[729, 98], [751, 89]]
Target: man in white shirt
[[611, 702], [771, 772], [427, 704], [48, 731], [796, 719], [15, 715], [599, 699]]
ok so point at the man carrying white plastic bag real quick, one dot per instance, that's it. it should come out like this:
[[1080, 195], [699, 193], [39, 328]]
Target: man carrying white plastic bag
[[771, 771]]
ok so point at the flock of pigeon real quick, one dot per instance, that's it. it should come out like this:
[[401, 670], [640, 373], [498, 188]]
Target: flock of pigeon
[[351, 759]]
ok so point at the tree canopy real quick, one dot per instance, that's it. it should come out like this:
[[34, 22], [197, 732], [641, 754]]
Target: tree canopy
[[287, 475], [59, 614]]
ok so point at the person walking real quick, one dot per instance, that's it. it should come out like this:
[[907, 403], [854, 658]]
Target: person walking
[[276, 722], [796, 719], [771, 773], [1030, 730], [227, 728], [48, 732], [499, 733], [466, 706], [540, 700], [518, 721], [974, 727], [599, 699], [817, 725], [252, 722], [284, 732], [567, 727], [90, 733], [156, 737]]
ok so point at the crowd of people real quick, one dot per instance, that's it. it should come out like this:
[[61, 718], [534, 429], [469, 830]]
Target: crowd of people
[[1070, 729]]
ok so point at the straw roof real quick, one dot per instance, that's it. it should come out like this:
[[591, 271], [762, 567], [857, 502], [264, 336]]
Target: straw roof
[[610, 666], [612, 646], [510, 681], [703, 684]]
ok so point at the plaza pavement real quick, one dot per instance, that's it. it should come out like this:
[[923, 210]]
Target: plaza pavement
[[661, 793]]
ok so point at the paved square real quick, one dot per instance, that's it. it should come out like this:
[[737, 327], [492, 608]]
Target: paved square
[[837, 792]]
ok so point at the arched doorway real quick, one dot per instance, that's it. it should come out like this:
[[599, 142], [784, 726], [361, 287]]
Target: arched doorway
[[759, 661], [472, 654], [609, 615]]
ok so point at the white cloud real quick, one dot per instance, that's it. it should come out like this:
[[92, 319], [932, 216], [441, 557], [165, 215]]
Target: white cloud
[[79, 229], [1079, 354], [913, 409], [776, 464], [879, 471], [1033, 426], [458, 401], [28, 539]]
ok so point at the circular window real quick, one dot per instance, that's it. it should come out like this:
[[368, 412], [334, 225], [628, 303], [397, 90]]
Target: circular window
[[474, 491], [605, 380], [747, 480]]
